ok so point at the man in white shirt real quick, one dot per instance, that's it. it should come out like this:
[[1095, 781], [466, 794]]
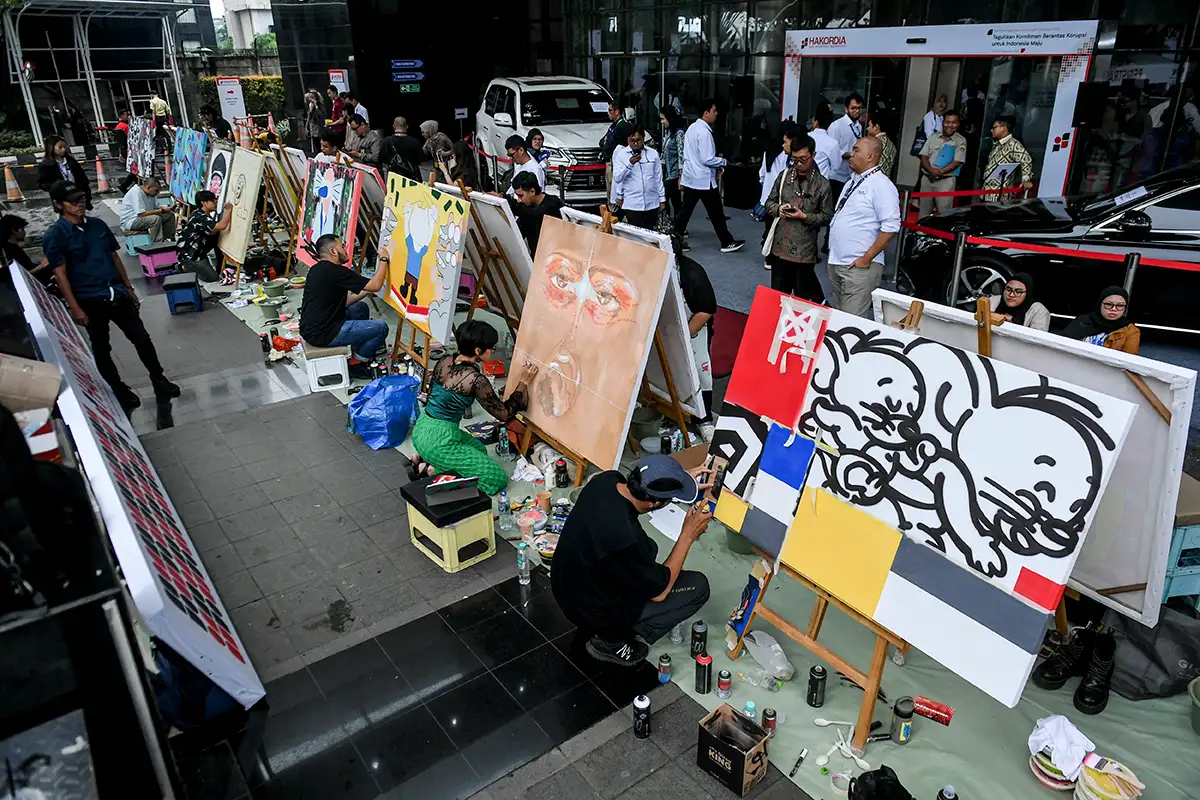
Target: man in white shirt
[[355, 107], [865, 218], [523, 162], [933, 120], [701, 172], [638, 181], [828, 155], [846, 130], [140, 212]]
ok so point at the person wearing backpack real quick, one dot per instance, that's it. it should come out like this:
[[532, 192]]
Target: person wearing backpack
[[402, 153]]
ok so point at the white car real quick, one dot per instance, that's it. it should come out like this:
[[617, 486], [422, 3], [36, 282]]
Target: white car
[[571, 113]]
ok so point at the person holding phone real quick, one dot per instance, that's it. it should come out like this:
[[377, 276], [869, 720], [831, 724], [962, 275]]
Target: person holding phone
[[638, 188], [801, 203]]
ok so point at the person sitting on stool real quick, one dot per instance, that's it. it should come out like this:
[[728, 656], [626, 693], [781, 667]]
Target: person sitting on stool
[[606, 576], [141, 212], [333, 313]]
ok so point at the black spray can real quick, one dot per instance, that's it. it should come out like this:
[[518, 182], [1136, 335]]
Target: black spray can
[[641, 716], [703, 673], [699, 638], [664, 444], [816, 686]]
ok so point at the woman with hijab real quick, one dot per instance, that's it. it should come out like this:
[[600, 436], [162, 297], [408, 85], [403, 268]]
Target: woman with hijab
[[437, 145], [1016, 302], [533, 145], [1107, 324]]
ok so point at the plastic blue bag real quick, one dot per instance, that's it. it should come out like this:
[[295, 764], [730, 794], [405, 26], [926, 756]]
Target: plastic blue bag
[[382, 412]]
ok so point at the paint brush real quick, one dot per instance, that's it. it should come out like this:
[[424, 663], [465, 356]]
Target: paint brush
[[799, 761]]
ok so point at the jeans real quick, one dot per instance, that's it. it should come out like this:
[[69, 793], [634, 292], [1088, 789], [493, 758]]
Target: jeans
[[687, 596], [796, 278], [122, 313], [711, 198], [364, 335]]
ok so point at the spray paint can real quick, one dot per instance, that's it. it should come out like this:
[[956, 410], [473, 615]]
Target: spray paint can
[[699, 638], [664, 668], [947, 793], [902, 714], [703, 673], [724, 684], [560, 474], [816, 686], [641, 716], [769, 720], [266, 343], [664, 444]]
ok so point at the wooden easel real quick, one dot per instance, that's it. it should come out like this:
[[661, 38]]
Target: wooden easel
[[527, 440], [494, 268], [288, 210], [869, 681]]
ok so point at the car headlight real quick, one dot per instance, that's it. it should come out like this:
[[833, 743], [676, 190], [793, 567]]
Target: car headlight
[[557, 155]]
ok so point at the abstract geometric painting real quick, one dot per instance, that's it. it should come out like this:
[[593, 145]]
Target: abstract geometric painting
[[244, 181], [139, 157], [424, 232], [940, 493], [331, 195], [220, 161], [188, 164], [588, 323]]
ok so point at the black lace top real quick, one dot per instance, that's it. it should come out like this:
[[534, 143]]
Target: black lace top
[[457, 385]]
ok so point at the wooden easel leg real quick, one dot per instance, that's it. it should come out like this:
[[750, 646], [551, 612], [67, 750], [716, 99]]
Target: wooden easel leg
[[817, 618], [866, 712], [680, 417], [736, 650], [1060, 617]]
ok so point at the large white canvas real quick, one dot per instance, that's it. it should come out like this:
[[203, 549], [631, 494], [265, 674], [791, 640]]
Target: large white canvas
[[244, 181], [1130, 537], [284, 194], [497, 224], [298, 165], [672, 323], [995, 465]]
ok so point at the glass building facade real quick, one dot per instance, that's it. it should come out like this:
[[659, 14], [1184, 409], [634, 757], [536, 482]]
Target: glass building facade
[[1143, 73]]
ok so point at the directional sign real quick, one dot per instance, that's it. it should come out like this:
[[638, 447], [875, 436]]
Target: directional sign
[[407, 63], [408, 88], [407, 77], [460, 113]]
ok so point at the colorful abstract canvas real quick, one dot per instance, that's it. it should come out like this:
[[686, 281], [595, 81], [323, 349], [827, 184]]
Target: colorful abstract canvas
[[588, 323], [139, 156], [244, 182], [424, 232], [331, 195], [942, 494], [188, 164], [220, 160]]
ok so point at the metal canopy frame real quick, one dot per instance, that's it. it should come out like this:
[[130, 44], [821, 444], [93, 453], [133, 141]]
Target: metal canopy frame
[[82, 13]]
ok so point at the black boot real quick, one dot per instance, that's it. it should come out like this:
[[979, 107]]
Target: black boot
[[164, 389], [1068, 662], [1092, 695], [127, 398]]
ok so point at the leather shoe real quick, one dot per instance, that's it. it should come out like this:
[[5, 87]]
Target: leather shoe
[[127, 397], [1092, 694], [165, 390], [1069, 662]]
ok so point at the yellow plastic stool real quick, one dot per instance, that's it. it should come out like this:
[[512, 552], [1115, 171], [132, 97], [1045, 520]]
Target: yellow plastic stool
[[454, 535]]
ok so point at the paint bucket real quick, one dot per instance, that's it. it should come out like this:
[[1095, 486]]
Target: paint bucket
[[270, 306], [1194, 693], [275, 288], [646, 422], [651, 445]]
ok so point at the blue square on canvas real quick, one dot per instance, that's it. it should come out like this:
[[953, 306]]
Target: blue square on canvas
[[786, 462]]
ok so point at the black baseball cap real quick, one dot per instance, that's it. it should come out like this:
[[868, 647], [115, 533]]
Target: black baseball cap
[[66, 192], [664, 478]]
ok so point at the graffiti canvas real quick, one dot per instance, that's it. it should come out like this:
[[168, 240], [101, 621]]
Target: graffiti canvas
[[331, 196], [188, 164]]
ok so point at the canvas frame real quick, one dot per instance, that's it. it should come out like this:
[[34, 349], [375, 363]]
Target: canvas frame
[[245, 181], [346, 221]]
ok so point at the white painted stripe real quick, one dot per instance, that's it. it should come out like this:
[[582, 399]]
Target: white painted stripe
[[980, 655], [774, 497]]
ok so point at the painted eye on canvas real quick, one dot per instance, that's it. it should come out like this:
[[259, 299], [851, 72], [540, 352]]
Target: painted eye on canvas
[[562, 277], [612, 295]]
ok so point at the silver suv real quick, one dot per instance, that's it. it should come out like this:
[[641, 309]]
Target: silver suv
[[571, 113]]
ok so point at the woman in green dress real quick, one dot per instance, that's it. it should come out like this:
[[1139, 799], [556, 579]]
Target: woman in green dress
[[441, 445]]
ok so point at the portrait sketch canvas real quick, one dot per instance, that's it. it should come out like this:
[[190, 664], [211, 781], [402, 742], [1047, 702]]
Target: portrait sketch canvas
[[245, 179], [942, 494], [588, 323], [331, 195], [220, 160], [424, 233], [188, 164]]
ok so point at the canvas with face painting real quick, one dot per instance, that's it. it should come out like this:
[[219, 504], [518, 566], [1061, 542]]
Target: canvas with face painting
[[220, 161], [331, 197], [244, 181], [588, 323]]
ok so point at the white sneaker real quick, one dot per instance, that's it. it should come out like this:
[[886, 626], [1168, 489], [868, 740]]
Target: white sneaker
[[767, 266], [707, 429]]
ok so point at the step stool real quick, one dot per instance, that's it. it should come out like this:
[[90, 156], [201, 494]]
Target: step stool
[[154, 257], [454, 535], [183, 288], [328, 367], [135, 239], [1183, 563]]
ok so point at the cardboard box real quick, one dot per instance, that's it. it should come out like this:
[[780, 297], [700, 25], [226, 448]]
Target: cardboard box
[[732, 749]]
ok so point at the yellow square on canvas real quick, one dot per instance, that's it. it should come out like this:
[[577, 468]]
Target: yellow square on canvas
[[840, 548], [731, 510]]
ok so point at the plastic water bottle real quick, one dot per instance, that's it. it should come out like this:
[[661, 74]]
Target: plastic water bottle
[[505, 512], [677, 634], [750, 712], [762, 679], [523, 564]]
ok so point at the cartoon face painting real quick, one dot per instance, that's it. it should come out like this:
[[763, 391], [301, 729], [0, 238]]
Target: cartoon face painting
[[329, 199]]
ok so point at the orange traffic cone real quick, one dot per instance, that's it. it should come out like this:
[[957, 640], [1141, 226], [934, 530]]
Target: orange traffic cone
[[10, 183], [102, 184], [270, 122], [244, 135]]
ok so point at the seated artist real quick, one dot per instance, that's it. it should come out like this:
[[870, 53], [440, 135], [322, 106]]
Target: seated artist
[[441, 445], [199, 234], [606, 576], [530, 205], [333, 313]]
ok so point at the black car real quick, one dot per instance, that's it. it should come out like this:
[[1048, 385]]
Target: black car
[[1159, 218]]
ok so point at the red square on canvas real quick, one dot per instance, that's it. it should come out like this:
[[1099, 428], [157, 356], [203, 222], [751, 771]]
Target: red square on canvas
[[1038, 588], [777, 355]]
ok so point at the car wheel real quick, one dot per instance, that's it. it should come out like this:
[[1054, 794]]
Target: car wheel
[[980, 277]]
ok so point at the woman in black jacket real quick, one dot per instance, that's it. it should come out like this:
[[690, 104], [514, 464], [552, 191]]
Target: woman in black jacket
[[60, 165]]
